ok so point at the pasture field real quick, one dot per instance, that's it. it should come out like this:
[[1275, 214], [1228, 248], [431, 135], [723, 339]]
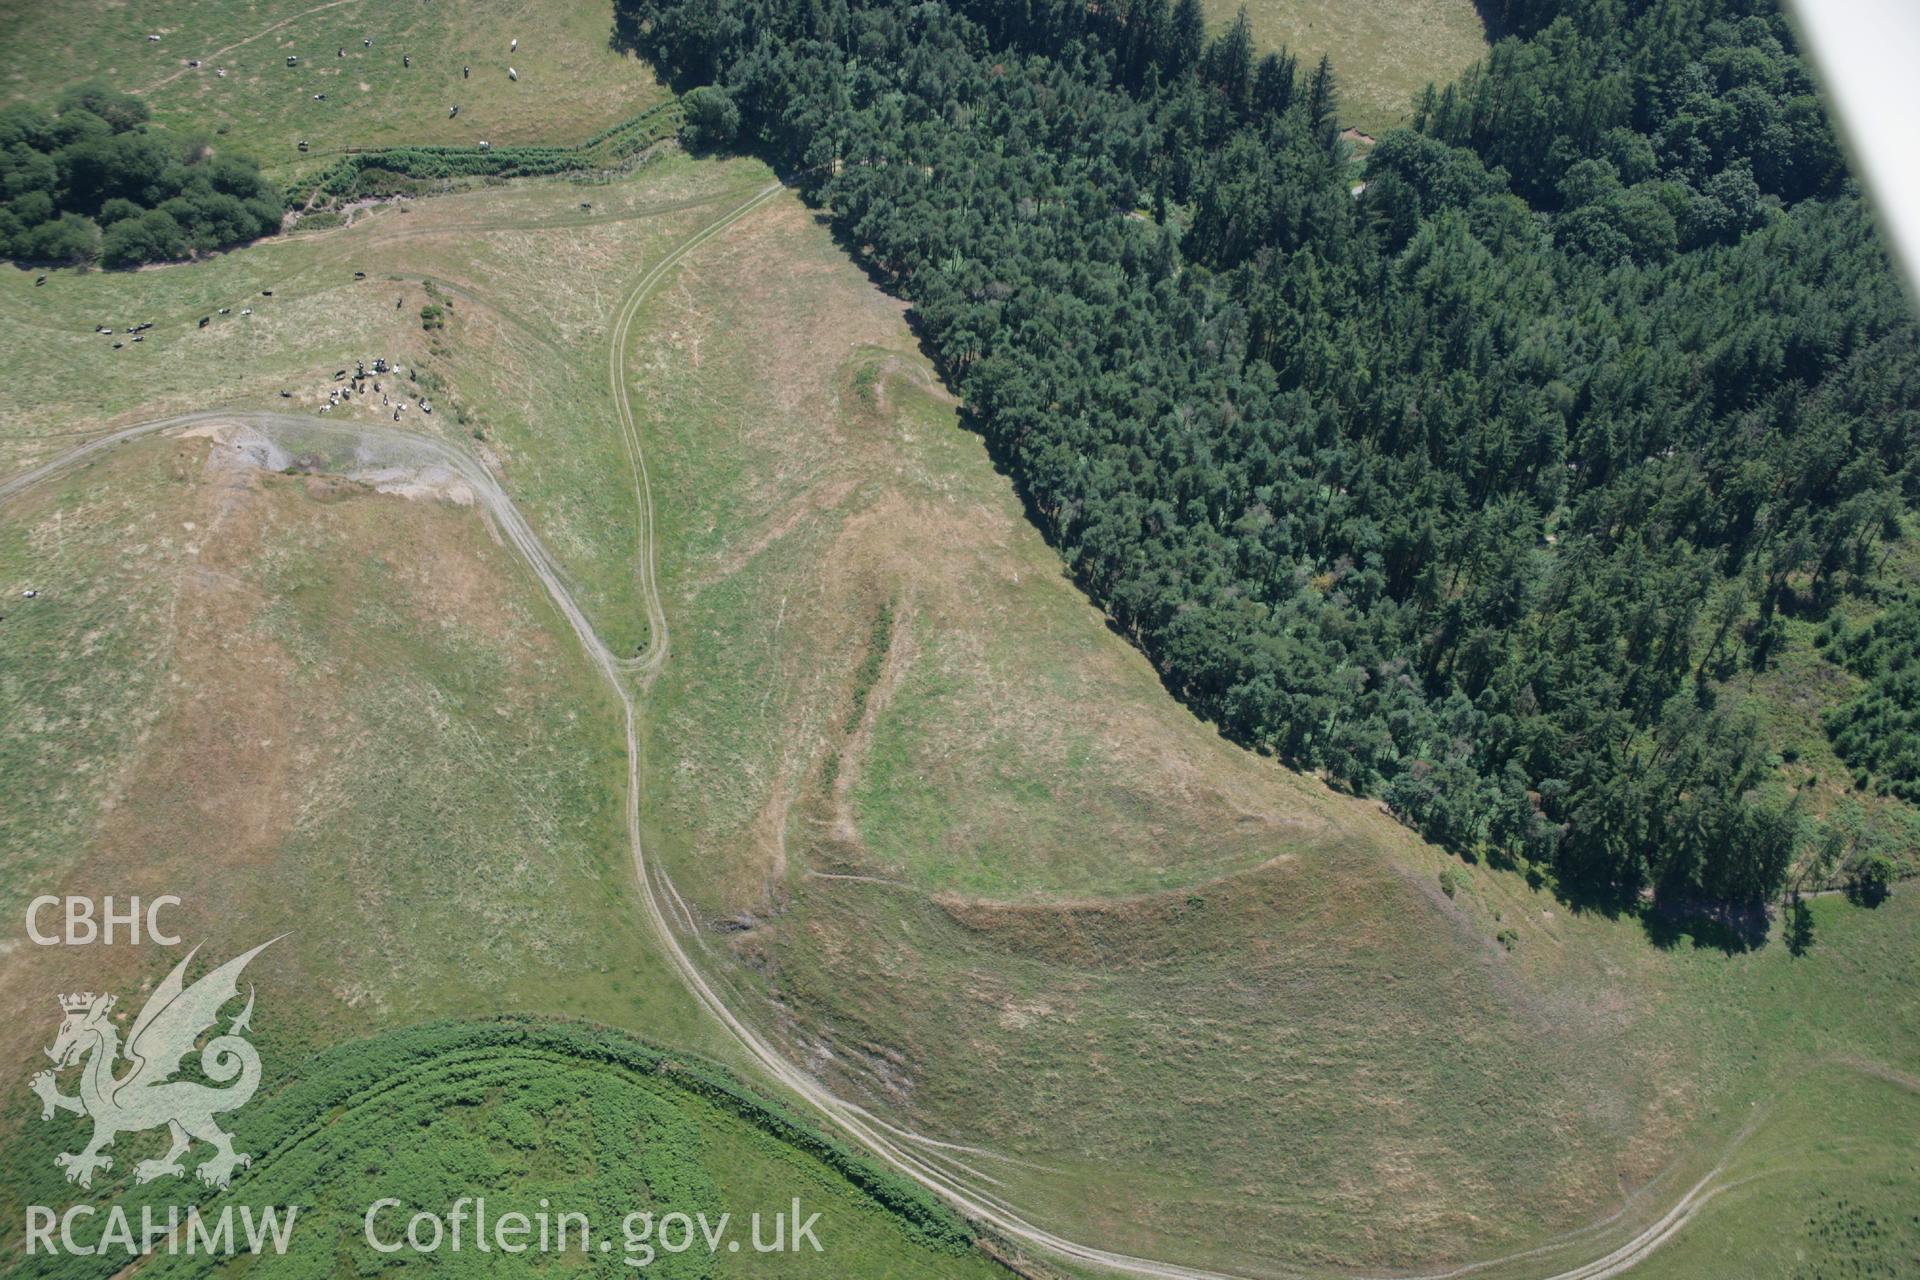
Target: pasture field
[[1384, 52], [311, 705], [571, 84], [1823, 1188]]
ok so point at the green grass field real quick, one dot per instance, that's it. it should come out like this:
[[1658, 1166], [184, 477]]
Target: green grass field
[[1383, 53], [572, 83], [1823, 1187], [543, 1121]]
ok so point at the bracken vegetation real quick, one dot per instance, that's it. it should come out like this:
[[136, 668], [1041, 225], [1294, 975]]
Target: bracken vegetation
[[526, 1113], [90, 181], [1466, 488]]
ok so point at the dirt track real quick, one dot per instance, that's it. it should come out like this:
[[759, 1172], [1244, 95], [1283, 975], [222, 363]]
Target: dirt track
[[936, 1165]]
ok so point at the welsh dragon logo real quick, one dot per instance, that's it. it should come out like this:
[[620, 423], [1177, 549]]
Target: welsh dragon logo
[[146, 1096]]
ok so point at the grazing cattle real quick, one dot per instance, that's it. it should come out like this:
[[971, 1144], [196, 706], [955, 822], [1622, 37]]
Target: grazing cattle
[[512, 74], [205, 321]]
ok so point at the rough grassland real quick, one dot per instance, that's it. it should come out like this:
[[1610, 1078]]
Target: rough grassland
[[571, 83], [984, 875], [305, 707], [938, 825], [1384, 51], [532, 278]]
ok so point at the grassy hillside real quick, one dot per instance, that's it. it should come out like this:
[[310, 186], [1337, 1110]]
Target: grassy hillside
[[1823, 1187], [305, 706], [988, 879], [932, 817], [571, 82], [940, 831], [1383, 53]]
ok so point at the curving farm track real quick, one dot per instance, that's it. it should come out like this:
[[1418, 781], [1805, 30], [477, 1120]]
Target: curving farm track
[[934, 1164]]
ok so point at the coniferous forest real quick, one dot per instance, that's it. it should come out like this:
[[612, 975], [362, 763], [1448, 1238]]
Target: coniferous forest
[[1468, 486]]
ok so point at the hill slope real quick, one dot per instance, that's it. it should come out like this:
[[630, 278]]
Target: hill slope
[[985, 877]]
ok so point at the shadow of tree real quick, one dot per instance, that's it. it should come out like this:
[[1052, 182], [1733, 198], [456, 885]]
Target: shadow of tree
[[1729, 930]]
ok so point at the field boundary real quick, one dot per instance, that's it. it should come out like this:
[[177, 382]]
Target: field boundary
[[604, 151]]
